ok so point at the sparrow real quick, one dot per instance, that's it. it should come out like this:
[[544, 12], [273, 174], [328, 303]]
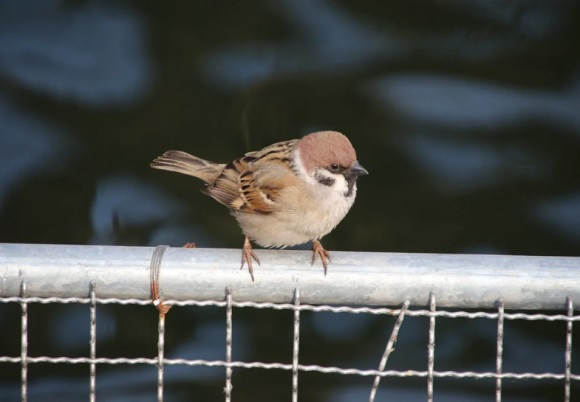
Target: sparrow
[[286, 194]]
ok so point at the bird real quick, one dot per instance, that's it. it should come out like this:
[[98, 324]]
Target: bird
[[288, 193]]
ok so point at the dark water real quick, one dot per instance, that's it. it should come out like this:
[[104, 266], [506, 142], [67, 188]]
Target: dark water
[[467, 115]]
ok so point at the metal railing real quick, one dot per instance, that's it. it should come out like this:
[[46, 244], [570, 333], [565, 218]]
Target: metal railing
[[357, 283]]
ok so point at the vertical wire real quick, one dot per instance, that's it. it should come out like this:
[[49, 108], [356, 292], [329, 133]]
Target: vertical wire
[[154, 272], [296, 346], [499, 355], [431, 348], [228, 387], [160, 355], [93, 342], [389, 349], [24, 346], [568, 357]]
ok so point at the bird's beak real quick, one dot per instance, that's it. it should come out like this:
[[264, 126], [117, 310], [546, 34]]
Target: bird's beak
[[357, 170]]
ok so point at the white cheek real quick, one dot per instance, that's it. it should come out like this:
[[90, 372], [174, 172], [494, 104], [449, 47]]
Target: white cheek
[[340, 184], [301, 170], [333, 202], [339, 180]]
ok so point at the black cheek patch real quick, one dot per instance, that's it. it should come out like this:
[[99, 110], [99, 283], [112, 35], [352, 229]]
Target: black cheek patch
[[326, 181]]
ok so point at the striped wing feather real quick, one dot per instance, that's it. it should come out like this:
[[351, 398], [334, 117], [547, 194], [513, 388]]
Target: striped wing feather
[[253, 182]]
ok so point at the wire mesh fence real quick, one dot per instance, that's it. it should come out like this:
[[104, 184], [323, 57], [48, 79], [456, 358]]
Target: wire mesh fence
[[99, 276]]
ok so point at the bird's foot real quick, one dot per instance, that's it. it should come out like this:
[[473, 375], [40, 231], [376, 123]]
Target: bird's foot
[[247, 256], [318, 250]]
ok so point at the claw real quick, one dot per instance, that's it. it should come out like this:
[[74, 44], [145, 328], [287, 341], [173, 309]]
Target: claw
[[318, 250], [247, 256]]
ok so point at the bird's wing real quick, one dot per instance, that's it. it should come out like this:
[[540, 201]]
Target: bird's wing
[[253, 182]]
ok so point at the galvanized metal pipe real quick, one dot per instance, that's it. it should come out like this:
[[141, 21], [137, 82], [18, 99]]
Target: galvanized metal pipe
[[462, 281]]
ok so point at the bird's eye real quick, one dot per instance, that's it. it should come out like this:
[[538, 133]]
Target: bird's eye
[[334, 168]]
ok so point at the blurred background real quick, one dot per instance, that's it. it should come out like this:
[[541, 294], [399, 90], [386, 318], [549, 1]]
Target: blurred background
[[466, 114]]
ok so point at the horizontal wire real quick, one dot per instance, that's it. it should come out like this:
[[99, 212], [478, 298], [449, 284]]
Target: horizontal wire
[[302, 307], [288, 367]]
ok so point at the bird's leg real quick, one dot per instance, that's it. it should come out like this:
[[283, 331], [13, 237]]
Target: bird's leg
[[317, 249], [247, 256]]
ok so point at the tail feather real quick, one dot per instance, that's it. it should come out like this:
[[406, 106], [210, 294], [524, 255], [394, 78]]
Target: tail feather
[[182, 162]]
